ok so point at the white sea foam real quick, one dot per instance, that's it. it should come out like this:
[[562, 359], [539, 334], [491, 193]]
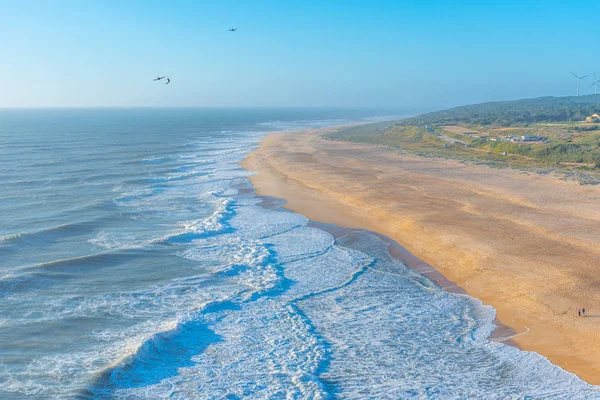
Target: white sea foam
[[213, 224], [342, 322], [154, 160], [112, 241]]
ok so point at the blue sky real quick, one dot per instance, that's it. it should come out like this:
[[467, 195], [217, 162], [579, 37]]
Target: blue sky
[[293, 53]]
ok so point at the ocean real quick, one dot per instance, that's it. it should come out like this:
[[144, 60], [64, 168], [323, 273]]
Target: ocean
[[136, 262]]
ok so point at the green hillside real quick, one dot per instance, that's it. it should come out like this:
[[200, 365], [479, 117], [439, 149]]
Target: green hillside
[[543, 132], [507, 113]]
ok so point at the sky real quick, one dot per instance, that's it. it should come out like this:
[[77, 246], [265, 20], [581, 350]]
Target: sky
[[332, 53]]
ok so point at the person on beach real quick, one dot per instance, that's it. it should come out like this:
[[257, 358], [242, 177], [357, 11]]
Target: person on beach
[[583, 311], [579, 312]]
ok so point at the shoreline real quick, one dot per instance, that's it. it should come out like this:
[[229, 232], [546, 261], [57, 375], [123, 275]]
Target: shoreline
[[501, 334], [305, 171]]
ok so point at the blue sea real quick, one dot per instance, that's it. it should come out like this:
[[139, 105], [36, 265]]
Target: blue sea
[[136, 262]]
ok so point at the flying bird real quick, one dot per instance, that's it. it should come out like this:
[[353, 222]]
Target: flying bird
[[233, 30], [168, 80], [158, 78]]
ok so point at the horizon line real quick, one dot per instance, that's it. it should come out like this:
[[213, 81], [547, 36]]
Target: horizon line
[[336, 107], [201, 107]]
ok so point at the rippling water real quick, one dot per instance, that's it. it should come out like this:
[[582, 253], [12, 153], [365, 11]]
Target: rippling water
[[136, 262]]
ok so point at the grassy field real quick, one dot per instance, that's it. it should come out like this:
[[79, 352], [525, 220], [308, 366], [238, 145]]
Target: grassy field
[[569, 146]]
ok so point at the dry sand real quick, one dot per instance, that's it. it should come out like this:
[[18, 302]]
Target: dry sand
[[526, 244]]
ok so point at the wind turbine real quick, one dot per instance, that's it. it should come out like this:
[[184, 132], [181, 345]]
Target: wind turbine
[[578, 79], [596, 84]]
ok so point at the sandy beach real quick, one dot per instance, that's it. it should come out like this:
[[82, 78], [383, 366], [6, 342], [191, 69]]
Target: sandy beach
[[526, 244]]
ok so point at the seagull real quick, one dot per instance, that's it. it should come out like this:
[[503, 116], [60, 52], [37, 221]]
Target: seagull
[[158, 78], [168, 80], [233, 30]]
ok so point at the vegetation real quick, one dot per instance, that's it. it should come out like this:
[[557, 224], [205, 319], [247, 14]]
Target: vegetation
[[507, 113], [566, 142], [595, 127], [406, 137]]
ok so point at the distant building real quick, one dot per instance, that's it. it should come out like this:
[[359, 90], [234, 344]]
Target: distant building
[[530, 138], [593, 118]]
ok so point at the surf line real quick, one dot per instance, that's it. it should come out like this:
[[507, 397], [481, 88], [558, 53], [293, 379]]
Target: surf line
[[505, 338], [499, 340], [353, 277], [407, 278]]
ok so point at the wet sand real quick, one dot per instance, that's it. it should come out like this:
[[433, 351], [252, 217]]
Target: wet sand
[[526, 244]]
